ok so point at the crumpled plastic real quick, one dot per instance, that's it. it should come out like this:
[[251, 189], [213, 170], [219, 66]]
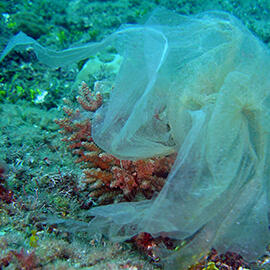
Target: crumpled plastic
[[199, 86]]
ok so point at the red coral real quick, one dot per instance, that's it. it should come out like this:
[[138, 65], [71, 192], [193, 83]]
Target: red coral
[[6, 195], [5, 261], [144, 169], [151, 246], [227, 261], [26, 261], [106, 177], [146, 243], [124, 180], [88, 100], [140, 176]]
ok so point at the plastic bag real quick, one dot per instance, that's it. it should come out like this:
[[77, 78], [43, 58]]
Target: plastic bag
[[210, 87]]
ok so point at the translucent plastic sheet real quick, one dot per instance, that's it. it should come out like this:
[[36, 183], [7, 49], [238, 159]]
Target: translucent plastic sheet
[[197, 85]]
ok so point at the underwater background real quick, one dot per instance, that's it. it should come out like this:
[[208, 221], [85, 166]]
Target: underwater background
[[44, 173]]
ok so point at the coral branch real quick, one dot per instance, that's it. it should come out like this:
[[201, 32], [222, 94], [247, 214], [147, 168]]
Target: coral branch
[[88, 100]]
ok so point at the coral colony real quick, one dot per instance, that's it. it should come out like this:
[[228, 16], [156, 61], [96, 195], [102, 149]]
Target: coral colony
[[107, 176]]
